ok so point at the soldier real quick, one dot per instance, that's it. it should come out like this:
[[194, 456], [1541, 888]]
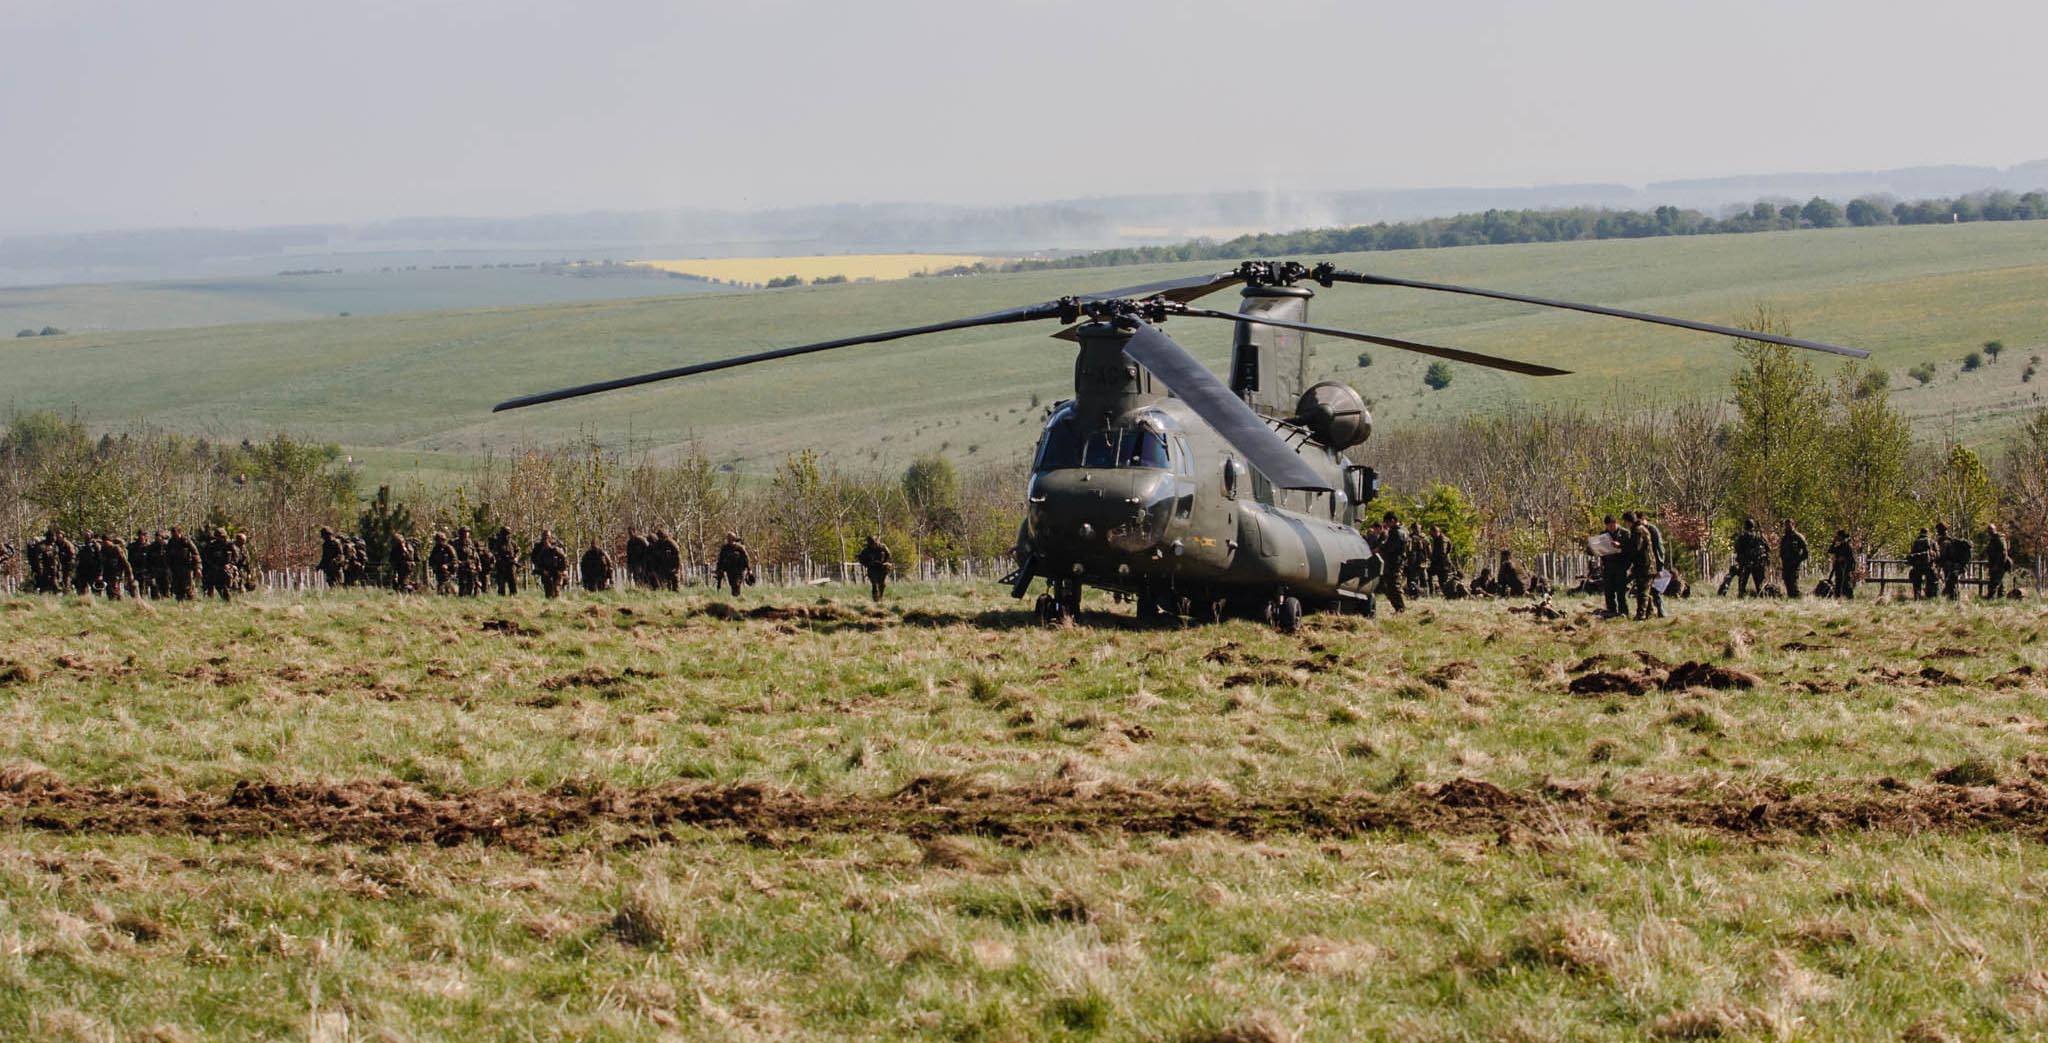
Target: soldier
[[400, 557], [636, 558], [1661, 564], [1920, 566], [441, 560], [596, 568], [1842, 565], [244, 576], [665, 562], [875, 559], [115, 573], [1642, 567], [216, 565], [505, 562], [1439, 559], [356, 561], [1393, 551], [1997, 561], [138, 563], [181, 555], [734, 563], [1509, 579], [1614, 570], [332, 557], [468, 565], [550, 563], [1792, 553], [1417, 562], [85, 564], [1953, 556], [38, 553]]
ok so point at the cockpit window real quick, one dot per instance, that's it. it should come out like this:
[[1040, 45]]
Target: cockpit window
[[1064, 446]]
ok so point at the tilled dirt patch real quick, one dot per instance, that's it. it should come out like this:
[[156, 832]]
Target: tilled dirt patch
[[389, 812]]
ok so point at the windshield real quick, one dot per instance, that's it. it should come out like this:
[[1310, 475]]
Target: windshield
[[1064, 446]]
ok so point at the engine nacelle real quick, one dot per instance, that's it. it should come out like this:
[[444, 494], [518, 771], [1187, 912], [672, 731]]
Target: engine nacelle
[[1335, 414]]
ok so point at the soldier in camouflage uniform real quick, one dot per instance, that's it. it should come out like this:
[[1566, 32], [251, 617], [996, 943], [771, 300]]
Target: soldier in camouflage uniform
[[468, 564], [550, 563], [441, 562], [116, 575], [400, 557], [505, 562], [596, 569], [874, 559], [665, 561], [1920, 567], [734, 562], [1997, 562], [181, 555]]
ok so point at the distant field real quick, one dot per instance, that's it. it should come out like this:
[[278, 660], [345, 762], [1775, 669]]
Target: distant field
[[275, 298], [422, 384], [755, 270]]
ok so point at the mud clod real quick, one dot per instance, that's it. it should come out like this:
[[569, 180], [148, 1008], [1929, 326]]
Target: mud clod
[[1695, 674], [1611, 682]]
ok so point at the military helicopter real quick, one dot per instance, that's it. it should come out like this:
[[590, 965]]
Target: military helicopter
[[1197, 497]]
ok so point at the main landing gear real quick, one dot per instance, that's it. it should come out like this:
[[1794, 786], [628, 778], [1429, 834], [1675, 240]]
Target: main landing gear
[[1060, 604], [1284, 612]]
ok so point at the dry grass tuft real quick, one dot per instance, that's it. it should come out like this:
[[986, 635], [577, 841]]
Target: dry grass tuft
[[1717, 1021], [642, 919], [1323, 958], [1928, 1030], [952, 853], [1259, 1028], [1573, 945]]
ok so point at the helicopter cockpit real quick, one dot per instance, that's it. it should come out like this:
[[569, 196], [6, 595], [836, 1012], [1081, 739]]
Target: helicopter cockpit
[[1149, 439]]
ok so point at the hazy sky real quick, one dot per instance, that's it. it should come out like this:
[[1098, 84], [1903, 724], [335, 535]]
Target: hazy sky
[[240, 112]]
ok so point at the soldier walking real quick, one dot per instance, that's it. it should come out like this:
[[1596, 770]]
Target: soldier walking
[[332, 557], [181, 555], [505, 562], [665, 561], [875, 559], [636, 558], [1792, 553], [1393, 550], [734, 562], [549, 563], [400, 558], [468, 566], [596, 568], [441, 562]]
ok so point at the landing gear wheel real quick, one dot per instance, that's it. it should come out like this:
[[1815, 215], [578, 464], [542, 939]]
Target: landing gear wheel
[[1285, 614], [1066, 595], [1050, 612]]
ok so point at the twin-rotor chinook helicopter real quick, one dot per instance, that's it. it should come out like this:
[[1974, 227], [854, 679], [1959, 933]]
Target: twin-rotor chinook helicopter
[[1197, 497]]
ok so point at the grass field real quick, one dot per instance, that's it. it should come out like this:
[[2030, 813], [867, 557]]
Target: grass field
[[853, 266], [424, 383], [633, 817], [108, 307]]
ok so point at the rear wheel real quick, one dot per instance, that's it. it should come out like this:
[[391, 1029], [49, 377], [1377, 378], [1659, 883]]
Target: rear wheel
[[1286, 615]]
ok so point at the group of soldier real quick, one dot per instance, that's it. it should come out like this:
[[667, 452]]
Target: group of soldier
[[1934, 565], [155, 564], [1412, 562], [459, 565]]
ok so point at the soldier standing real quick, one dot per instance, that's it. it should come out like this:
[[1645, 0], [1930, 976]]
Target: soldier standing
[[1417, 562], [1920, 566], [332, 557], [734, 562], [181, 555], [636, 557], [549, 562], [85, 564], [214, 565], [596, 568], [1614, 570], [138, 563], [115, 572], [1997, 561], [1642, 566], [1792, 553], [1842, 565], [875, 559], [441, 561], [1393, 548], [244, 576], [38, 555], [1953, 556], [468, 574], [505, 562], [1439, 560], [399, 557]]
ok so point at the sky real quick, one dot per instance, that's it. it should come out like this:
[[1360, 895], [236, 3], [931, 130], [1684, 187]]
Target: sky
[[149, 113]]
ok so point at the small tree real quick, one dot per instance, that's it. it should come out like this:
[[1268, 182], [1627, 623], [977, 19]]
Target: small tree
[[1972, 361], [1924, 372], [1439, 375], [1364, 359], [1963, 494], [1993, 347]]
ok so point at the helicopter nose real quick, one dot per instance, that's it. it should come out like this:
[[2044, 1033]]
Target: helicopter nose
[[1095, 512]]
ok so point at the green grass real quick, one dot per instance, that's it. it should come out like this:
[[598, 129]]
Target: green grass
[[424, 383], [1019, 890]]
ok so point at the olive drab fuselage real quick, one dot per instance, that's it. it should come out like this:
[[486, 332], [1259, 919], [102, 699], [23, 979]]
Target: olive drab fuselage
[[1130, 491]]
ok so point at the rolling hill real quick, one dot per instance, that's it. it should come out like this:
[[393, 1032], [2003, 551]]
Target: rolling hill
[[415, 390]]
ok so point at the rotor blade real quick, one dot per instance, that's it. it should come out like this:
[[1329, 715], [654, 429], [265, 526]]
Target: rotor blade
[[1024, 314], [1179, 291], [1245, 430], [1455, 354], [1338, 275]]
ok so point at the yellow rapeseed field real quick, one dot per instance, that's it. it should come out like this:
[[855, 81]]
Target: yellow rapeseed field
[[853, 266]]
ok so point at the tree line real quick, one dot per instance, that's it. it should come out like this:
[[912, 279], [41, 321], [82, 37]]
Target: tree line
[[1561, 225]]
